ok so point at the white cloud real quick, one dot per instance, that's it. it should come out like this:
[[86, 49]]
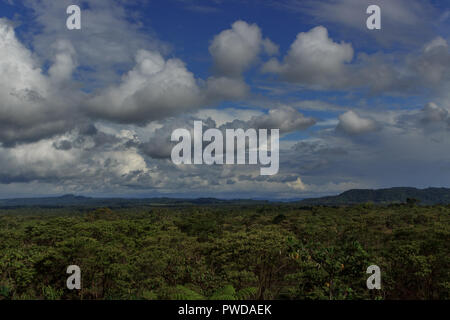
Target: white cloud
[[39, 108], [85, 162], [297, 184], [402, 21], [433, 113], [157, 88], [235, 50], [108, 39], [225, 88], [63, 62], [153, 89], [435, 43], [313, 59], [432, 67], [317, 62], [221, 117], [285, 118], [351, 123], [32, 105]]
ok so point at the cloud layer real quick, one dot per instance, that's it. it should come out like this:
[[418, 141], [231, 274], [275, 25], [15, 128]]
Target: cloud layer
[[31, 105], [92, 112]]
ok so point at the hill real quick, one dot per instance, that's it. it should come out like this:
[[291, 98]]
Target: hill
[[73, 200], [427, 196]]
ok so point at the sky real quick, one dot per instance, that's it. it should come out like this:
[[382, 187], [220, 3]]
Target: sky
[[91, 111]]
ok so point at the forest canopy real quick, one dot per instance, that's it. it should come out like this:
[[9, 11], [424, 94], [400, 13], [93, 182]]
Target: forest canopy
[[247, 251]]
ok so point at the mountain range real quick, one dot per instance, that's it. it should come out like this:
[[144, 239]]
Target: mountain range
[[429, 196]]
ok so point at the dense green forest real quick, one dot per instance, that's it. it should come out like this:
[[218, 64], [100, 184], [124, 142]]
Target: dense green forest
[[240, 251]]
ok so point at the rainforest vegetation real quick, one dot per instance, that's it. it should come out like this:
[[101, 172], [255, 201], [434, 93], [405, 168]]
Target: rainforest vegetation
[[226, 251]]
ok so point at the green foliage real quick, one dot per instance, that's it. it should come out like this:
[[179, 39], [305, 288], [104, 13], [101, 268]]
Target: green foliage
[[246, 293], [50, 293], [229, 293], [279, 218], [226, 293], [226, 252], [398, 195], [5, 292], [183, 293]]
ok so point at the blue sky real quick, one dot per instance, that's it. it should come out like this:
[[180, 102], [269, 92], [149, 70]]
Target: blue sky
[[84, 111]]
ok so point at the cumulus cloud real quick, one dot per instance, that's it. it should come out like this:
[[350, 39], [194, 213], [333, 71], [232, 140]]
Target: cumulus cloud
[[297, 184], [137, 96], [74, 160], [437, 42], [403, 21], [117, 160], [352, 123], [62, 145], [36, 161], [222, 116], [285, 118], [434, 113], [412, 73], [313, 59], [235, 50], [107, 42], [433, 65], [433, 120], [157, 88], [32, 106], [153, 89], [398, 154], [316, 61], [159, 144], [225, 88], [64, 61]]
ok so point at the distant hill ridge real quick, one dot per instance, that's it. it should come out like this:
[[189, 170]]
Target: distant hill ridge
[[74, 200], [428, 196]]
